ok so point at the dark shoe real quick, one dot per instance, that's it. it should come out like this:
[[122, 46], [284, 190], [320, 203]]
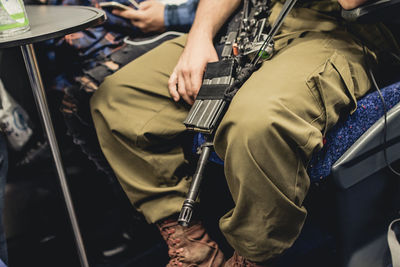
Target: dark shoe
[[190, 246], [239, 261]]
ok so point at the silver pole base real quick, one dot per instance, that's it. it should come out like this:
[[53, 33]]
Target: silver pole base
[[41, 102]]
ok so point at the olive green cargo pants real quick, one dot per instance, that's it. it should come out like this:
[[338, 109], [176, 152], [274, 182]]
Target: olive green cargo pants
[[273, 125]]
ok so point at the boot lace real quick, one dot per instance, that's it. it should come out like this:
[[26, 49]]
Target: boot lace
[[167, 231]]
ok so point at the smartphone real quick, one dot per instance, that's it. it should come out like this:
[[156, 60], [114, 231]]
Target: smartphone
[[113, 4], [135, 4]]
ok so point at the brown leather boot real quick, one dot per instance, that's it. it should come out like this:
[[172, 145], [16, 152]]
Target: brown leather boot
[[190, 246], [239, 261]]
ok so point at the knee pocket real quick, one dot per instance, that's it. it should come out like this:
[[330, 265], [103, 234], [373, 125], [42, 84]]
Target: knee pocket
[[335, 85], [266, 129]]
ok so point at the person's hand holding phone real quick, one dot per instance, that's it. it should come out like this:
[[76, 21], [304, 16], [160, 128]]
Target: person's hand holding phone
[[148, 18]]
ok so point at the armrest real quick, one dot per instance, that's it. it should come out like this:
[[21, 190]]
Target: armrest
[[365, 156], [381, 10]]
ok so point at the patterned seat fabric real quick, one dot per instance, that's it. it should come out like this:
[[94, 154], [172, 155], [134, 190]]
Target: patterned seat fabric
[[346, 132], [343, 134]]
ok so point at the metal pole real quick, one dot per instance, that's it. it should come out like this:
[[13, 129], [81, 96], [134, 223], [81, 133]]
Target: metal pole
[[40, 98]]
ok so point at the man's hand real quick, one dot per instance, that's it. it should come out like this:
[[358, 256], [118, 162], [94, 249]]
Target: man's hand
[[186, 79], [350, 4], [149, 18]]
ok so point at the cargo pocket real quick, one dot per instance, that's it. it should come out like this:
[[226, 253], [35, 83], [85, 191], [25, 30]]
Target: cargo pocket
[[332, 83]]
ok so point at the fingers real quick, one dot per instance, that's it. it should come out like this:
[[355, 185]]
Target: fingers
[[186, 75], [196, 77], [140, 24], [145, 5], [137, 17], [182, 89], [172, 86], [117, 12], [185, 84], [130, 13], [177, 86], [196, 81]]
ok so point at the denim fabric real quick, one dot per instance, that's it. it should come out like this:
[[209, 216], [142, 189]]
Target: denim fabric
[[3, 176], [180, 15], [65, 57]]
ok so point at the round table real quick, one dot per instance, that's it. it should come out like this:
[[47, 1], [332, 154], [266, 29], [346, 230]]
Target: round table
[[47, 22]]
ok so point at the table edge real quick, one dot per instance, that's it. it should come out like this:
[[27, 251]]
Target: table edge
[[31, 40]]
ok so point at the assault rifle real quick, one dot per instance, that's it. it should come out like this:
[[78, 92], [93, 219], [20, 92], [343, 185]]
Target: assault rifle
[[249, 39]]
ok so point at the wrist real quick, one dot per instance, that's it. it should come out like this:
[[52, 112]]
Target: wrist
[[199, 35]]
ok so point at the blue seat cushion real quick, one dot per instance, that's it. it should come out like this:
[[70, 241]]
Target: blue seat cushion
[[343, 134], [346, 132]]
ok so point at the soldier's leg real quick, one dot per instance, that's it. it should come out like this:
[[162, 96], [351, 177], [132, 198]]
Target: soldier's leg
[[140, 130], [142, 135], [273, 125]]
